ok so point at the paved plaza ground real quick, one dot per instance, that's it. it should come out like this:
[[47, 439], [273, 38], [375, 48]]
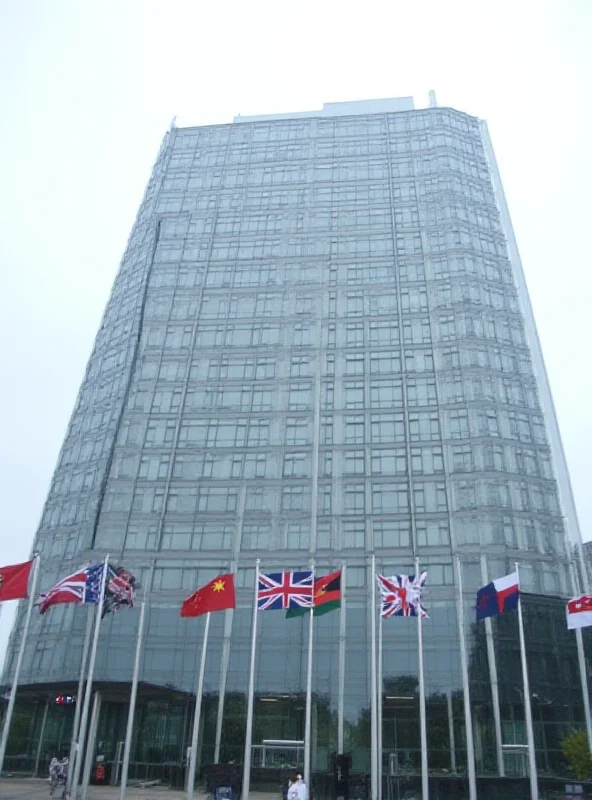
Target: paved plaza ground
[[36, 789]]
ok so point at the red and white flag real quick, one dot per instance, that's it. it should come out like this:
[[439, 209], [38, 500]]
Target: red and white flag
[[14, 581], [579, 612]]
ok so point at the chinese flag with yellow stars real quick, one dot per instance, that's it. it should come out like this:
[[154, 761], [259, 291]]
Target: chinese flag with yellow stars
[[217, 595]]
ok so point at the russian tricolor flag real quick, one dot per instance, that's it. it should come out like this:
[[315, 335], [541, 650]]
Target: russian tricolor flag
[[498, 596]]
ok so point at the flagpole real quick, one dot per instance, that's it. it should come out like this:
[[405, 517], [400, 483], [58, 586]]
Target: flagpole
[[584, 682], [19, 663], [251, 693], [493, 681], [225, 657], [534, 787], [581, 657], [425, 786], [133, 695], [373, 709], [79, 700], [308, 712], [465, 682], [342, 630], [379, 707], [197, 714], [89, 678]]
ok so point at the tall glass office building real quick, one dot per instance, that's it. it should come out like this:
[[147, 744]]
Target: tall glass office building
[[319, 345]]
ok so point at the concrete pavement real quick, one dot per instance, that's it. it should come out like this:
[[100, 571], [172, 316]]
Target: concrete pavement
[[37, 789]]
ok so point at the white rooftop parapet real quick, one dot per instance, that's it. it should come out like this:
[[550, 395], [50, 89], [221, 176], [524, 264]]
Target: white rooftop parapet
[[386, 106]]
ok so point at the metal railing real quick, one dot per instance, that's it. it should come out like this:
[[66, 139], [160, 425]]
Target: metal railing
[[278, 754]]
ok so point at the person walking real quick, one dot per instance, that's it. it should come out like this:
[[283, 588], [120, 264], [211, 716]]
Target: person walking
[[54, 771], [292, 790], [63, 776], [301, 788]]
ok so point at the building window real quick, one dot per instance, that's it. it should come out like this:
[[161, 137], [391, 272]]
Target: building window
[[297, 431], [385, 362], [354, 430], [294, 499], [214, 499], [386, 394], [462, 458], [258, 433], [354, 336], [296, 465], [354, 364], [391, 533], [255, 538], [352, 535], [459, 424], [389, 498], [297, 536], [389, 462], [386, 428], [432, 533], [353, 462], [353, 499], [356, 577], [354, 395], [300, 397]]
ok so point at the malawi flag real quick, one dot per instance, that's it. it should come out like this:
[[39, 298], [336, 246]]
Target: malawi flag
[[14, 581], [326, 596], [217, 595]]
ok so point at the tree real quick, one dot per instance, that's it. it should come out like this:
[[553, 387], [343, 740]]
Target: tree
[[576, 750]]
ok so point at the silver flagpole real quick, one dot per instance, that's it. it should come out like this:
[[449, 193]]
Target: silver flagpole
[[342, 631], [91, 740], [584, 682], [228, 618], [373, 715], [89, 678], [308, 712], [132, 706], [197, 714], [534, 785], [79, 701], [40, 744], [251, 695], [465, 681], [425, 786], [493, 679], [19, 663], [379, 707], [580, 645]]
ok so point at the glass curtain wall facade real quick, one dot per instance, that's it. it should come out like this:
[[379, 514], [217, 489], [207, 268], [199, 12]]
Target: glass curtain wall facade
[[315, 348]]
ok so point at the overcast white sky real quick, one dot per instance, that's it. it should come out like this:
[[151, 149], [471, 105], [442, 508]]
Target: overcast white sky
[[89, 87]]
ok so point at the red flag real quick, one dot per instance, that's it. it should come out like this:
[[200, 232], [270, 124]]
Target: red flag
[[14, 581], [215, 596]]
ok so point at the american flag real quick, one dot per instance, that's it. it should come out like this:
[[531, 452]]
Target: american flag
[[280, 590], [83, 586], [401, 595]]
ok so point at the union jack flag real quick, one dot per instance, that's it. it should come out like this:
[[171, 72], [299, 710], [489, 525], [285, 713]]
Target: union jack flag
[[83, 586], [280, 590], [401, 595]]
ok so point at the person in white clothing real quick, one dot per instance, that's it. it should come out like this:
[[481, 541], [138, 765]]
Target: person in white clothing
[[292, 790], [301, 786], [54, 771]]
